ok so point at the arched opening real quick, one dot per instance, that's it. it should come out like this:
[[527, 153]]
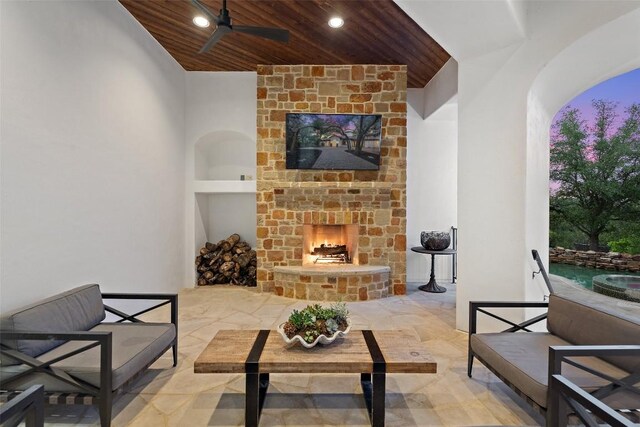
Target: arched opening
[[224, 155], [570, 73], [594, 218]]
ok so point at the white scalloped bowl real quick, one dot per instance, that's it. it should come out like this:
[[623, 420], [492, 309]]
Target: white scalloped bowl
[[322, 339]]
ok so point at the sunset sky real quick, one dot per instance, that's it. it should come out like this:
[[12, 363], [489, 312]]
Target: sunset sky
[[624, 89]]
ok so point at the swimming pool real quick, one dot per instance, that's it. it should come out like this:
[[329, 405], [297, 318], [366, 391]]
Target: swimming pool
[[581, 275]]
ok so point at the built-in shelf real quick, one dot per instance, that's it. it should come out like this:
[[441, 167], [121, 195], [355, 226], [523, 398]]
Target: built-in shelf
[[223, 186]]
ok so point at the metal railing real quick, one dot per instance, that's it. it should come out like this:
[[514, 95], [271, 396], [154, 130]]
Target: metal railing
[[454, 257]]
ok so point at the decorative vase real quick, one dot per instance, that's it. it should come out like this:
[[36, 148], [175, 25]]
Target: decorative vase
[[435, 240], [322, 339]]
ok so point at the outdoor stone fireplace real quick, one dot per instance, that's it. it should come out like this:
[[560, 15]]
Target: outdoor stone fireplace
[[323, 234]]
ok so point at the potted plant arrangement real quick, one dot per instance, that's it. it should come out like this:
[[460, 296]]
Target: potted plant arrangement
[[316, 324]]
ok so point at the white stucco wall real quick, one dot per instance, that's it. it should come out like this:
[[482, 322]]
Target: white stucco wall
[[432, 153], [92, 131]]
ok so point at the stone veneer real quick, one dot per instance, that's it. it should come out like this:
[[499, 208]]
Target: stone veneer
[[318, 284], [614, 261], [287, 199]]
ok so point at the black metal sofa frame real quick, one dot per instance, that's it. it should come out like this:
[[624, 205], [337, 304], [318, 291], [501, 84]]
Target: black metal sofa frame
[[28, 407], [87, 394], [563, 396]]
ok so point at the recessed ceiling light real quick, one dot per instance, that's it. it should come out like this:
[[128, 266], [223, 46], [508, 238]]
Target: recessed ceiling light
[[201, 21], [336, 22]]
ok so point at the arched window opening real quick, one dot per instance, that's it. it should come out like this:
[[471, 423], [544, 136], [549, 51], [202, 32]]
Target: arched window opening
[[595, 182]]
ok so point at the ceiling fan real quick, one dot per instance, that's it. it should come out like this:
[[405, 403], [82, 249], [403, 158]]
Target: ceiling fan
[[224, 26]]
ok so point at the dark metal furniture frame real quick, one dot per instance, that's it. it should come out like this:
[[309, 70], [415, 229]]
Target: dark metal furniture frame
[[104, 394], [373, 383], [479, 307], [28, 406], [564, 398]]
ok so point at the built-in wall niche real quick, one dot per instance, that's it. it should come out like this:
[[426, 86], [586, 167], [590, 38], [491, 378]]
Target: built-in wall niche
[[220, 215], [225, 155], [224, 204]]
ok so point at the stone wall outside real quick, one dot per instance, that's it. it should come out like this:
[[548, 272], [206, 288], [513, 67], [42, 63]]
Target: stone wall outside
[[613, 261]]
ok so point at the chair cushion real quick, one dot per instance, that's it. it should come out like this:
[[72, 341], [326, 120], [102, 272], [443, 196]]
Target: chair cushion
[[79, 309], [578, 321], [523, 358], [135, 346]]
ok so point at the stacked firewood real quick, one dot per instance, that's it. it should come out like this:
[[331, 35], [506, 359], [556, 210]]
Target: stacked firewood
[[228, 261]]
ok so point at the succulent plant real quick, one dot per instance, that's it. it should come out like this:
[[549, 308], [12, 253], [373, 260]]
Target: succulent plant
[[311, 335], [296, 318], [308, 318], [340, 311], [289, 329], [332, 326]]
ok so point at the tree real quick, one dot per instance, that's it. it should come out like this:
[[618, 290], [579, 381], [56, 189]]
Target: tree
[[596, 169]]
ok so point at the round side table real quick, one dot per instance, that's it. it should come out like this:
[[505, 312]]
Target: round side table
[[432, 285]]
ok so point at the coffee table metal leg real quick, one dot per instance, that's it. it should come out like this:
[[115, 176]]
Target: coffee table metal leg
[[373, 388], [256, 392], [378, 398], [264, 386], [252, 401]]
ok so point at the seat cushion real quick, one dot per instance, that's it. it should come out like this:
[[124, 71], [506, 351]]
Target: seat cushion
[[523, 360], [79, 309], [135, 346]]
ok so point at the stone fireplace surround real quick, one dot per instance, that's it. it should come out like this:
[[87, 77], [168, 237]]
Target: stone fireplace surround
[[373, 201]]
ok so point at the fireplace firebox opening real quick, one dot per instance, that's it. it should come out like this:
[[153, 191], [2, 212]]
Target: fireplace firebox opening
[[330, 244]]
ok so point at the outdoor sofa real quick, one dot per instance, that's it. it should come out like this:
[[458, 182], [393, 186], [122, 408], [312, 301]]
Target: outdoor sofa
[[590, 354], [63, 343]]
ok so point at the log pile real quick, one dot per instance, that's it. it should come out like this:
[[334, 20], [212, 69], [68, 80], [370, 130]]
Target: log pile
[[331, 253], [228, 261]]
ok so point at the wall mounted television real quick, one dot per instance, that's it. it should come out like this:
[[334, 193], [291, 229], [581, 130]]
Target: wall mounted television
[[333, 141]]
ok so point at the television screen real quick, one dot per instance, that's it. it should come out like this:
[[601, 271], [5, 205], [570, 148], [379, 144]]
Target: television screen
[[333, 141]]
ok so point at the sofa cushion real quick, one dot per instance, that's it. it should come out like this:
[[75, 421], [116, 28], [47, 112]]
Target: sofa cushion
[[523, 358], [135, 346], [578, 322], [79, 309]]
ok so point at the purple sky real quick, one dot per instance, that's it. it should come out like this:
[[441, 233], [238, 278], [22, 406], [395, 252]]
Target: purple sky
[[624, 89]]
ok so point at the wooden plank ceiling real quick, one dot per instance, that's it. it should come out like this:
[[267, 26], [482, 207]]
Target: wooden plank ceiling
[[375, 32]]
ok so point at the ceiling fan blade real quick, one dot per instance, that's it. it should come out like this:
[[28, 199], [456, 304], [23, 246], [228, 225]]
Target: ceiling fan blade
[[277, 34], [204, 10], [215, 37]]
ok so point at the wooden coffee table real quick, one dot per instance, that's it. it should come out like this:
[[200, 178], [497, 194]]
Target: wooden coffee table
[[372, 354]]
